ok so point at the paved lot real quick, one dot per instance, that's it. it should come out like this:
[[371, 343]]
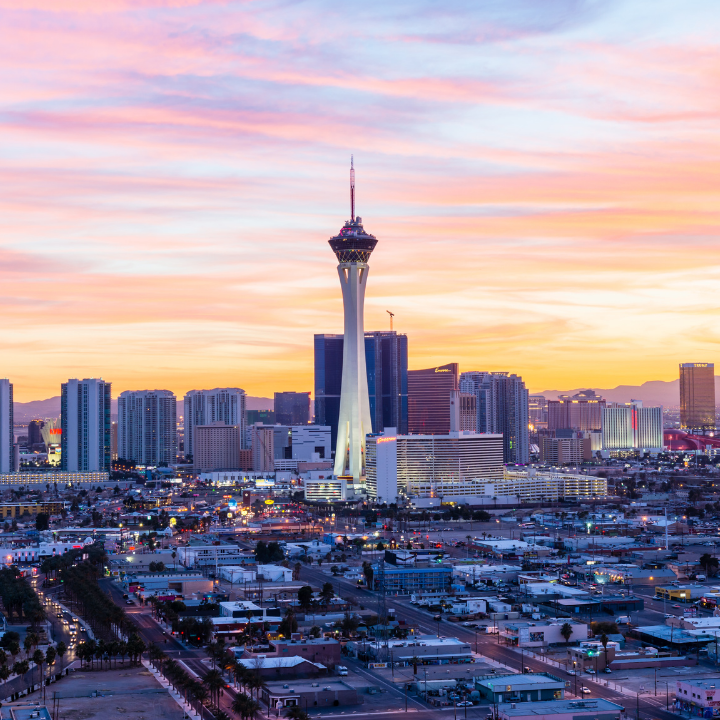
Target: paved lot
[[122, 694]]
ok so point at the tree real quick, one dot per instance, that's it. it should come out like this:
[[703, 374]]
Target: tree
[[61, 649], [566, 631], [297, 713], [349, 624], [604, 640], [369, 573], [39, 660], [305, 594], [42, 521], [289, 624], [709, 564], [327, 593], [214, 682], [245, 706]]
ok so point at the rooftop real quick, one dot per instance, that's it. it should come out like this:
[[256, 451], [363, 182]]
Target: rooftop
[[551, 707], [522, 681], [278, 687], [262, 663], [707, 683]]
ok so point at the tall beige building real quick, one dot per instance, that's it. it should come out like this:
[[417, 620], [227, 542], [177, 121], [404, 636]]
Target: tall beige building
[[697, 395], [263, 447], [216, 447]]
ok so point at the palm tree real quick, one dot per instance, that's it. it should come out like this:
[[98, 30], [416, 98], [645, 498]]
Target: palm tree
[[255, 682], [21, 667], [39, 660], [604, 640], [61, 649], [245, 706], [297, 713], [214, 682], [566, 631], [4, 673]]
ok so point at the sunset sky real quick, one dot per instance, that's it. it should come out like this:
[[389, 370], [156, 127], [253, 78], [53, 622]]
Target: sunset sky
[[543, 177]]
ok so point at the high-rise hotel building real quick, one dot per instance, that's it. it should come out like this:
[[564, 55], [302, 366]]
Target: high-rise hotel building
[[502, 406], [430, 395], [147, 427], [430, 465], [207, 407], [86, 427], [630, 426], [7, 436], [697, 395]]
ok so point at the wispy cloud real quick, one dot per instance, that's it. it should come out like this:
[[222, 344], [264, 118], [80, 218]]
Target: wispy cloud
[[542, 178]]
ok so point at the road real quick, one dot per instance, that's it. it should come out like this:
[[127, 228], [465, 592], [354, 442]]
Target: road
[[489, 646], [152, 632]]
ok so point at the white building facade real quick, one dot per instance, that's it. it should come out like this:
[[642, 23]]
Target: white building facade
[[86, 427], [7, 436], [431, 465], [631, 426], [205, 407], [147, 426]]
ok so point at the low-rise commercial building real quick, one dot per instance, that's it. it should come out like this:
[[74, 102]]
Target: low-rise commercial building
[[698, 696], [17, 510], [404, 581], [168, 582], [543, 633], [527, 687], [209, 555], [327, 693], [680, 593], [283, 667], [596, 709], [430, 649], [318, 650]]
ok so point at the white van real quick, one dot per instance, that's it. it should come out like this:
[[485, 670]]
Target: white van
[[341, 670]]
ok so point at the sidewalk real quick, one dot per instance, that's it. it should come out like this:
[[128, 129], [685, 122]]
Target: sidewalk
[[186, 708]]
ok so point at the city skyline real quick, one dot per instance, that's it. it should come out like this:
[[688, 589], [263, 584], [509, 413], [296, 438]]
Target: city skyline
[[540, 181]]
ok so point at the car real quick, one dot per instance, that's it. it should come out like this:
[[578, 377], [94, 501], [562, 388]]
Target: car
[[463, 703], [585, 690], [129, 602], [437, 618], [607, 671], [677, 606], [342, 670], [590, 671], [668, 615], [572, 672]]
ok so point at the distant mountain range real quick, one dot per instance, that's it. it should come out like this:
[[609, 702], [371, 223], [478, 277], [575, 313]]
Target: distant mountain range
[[653, 392], [50, 408]]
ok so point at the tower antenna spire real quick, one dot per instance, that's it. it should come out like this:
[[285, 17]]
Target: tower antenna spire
[[352, 190]]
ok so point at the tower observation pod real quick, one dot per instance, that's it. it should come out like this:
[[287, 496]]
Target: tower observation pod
[[352, 247]]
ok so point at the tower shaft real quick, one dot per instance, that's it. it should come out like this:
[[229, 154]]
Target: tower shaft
[[354, 420]]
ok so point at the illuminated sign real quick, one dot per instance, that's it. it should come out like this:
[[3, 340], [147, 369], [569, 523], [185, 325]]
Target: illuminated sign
[[386, 439], [442, 370], [269, 502]]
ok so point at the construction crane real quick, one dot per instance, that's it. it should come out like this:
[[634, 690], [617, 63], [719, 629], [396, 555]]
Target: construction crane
[[392, 315]]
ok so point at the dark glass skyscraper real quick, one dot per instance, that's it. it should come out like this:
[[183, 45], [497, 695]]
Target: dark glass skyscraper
[[292, 408], [328, 382], [386, 360]]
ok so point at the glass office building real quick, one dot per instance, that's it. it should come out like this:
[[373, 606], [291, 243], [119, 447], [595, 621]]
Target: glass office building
[[386, 359], [697, 395]]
